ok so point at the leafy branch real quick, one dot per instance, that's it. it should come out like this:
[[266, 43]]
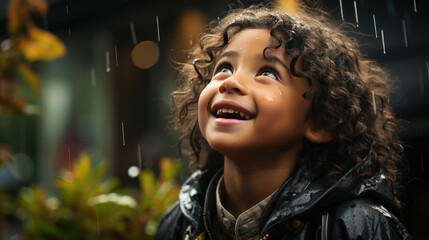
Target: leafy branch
[[22, 44], [90, 206]]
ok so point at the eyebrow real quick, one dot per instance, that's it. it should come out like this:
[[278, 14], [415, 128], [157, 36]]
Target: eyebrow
[[228, 54], [275, 59], [279, 61]]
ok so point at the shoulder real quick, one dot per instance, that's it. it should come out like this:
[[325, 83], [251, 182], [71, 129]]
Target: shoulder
[[172, 224], [363, 218]]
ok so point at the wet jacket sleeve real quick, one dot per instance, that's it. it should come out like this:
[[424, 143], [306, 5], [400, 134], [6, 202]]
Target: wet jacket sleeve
[[172, 225], [365, 219]]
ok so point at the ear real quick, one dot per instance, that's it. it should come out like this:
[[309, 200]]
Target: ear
[[317, 135]]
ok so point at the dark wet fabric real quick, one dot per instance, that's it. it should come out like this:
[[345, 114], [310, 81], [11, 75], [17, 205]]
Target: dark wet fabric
[[353, 209]]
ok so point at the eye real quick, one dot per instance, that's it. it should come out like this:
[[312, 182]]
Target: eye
[[270, 73], [224, 68]]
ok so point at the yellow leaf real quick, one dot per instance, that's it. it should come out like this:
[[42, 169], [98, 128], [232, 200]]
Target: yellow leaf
[[148, 183], [29, 75], [41, 45], [169, 169], [83, 167], [19, 12]]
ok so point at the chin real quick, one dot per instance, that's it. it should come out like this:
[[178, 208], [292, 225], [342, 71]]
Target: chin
[[228, 147]]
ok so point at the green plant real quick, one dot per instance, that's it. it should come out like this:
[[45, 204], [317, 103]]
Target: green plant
[[88, 205], [22, 44]]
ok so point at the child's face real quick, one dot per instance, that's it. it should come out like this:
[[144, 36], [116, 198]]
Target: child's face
[[252, 104]]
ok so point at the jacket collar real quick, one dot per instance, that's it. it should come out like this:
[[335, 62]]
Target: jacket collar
[[197, 194], [297, 195], [302, 195]]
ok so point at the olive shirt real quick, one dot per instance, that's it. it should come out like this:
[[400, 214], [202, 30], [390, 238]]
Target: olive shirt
[[246, 226]]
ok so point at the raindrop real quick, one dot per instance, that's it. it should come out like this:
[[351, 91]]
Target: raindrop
[[382, 39], [405, 33], [69, 31], [116, 56], [107, 62], [341, 9], [157, 27], [375, 26], [139, 154], [133, 33], [190, 40], [415, 6], [93, 79], [67, 9], [373, 103], [421, 158], [356, 14], [133, 171], [123, 135]]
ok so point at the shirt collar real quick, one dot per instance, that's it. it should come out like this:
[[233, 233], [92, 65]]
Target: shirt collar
[[246, 226]]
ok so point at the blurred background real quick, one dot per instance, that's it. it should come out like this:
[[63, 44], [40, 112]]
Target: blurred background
[[106, 94]]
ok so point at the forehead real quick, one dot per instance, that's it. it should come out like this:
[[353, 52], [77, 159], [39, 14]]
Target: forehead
[[251, 40]]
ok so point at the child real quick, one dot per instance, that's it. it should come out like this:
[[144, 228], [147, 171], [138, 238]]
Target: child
[[291, 131]]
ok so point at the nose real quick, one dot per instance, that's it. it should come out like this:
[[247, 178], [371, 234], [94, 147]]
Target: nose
[[233, 85]]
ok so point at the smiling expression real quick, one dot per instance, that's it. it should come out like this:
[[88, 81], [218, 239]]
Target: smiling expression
[[253, 104]]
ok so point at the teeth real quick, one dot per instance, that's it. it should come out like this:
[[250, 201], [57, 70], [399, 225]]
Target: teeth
[[230, 111]]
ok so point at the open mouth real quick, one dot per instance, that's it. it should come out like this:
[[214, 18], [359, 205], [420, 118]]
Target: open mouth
[[231, 111], [231, 114]]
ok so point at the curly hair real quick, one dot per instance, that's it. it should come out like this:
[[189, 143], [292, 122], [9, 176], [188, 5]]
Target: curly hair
[[349, 93]]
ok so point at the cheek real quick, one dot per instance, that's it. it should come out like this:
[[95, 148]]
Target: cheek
[[287, 108], [203, 106], [204, 99]]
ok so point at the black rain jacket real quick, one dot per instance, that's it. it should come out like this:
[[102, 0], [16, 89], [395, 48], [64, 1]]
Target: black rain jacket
[[300, 209]]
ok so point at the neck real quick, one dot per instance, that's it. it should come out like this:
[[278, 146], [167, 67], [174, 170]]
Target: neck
[[250, 180]]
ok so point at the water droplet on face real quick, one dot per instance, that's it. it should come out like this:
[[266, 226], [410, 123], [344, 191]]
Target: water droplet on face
[[279, 91], [269, 99]]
